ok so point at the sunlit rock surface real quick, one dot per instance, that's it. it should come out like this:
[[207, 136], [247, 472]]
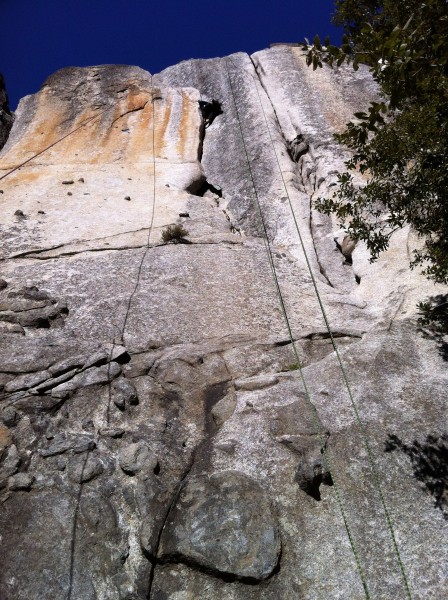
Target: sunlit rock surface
[[157, 439]]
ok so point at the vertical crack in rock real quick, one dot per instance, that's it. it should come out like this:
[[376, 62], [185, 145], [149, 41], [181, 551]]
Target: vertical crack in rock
[[74, 528], [297, 149], [153, 558]]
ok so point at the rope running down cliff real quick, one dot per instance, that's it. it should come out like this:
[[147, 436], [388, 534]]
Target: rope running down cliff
[[361, 425], [314, 412], [151, 224], [83, 124]]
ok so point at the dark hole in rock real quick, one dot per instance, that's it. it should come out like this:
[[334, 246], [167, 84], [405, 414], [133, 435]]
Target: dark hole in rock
[[297, 147], [209, 111], [310, 480], [123, 359], [209, 187], [358, 279], [42, 323], [282, 343], [157, 469]]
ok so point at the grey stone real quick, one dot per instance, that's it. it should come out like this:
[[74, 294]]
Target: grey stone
[[124, 392], [256, 383], [113, 432], [21, 481], [28, 380], [137, 458], [224, 523], [9, 416], [92, 376], [66, 364], [10, 462], [12, 328], [63, 442], [54, 382], [224, 409], [84, 468]]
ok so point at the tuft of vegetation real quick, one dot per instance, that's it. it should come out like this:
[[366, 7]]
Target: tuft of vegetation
[[293, 367], [175, 234]]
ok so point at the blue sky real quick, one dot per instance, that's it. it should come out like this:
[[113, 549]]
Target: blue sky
[[40, 36]]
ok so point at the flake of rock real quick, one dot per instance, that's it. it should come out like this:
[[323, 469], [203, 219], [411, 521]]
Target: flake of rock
[[84, 468], [53, 382], [224, 524], [31, 403], [92, 376], [67, 364], [256, 383], [20, 481], [227, 447], [10, 463], [26, 381], [137, 458], [296, 418], [62, 443], [113, 432], [224, 409]]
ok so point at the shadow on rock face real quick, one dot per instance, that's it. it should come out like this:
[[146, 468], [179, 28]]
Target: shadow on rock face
[[430, 463]]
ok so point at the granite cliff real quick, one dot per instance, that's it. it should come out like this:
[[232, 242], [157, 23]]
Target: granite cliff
[[158, 439]]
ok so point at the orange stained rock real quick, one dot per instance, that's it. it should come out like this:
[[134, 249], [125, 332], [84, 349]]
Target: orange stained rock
[[122, 132], [5, 438]]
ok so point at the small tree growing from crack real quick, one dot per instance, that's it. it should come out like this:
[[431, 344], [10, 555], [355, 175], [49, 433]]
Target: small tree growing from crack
[[175, 234]]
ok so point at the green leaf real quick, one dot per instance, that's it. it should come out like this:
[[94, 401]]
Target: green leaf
[[316, 42]]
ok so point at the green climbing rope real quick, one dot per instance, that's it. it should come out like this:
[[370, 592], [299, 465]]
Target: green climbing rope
[[344, 373], [314, 412]]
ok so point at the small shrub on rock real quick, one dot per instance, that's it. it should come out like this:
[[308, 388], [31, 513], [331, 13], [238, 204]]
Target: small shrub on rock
[[174, 233]]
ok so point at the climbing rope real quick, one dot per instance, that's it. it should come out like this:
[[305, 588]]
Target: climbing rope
[[83, 124], [314, 412], [151, 224], [343, 371]]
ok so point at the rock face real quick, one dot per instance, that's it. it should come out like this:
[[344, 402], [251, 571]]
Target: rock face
[[158, 438]]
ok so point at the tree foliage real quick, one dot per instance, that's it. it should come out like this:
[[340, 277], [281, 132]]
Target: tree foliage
[[401, 142]]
